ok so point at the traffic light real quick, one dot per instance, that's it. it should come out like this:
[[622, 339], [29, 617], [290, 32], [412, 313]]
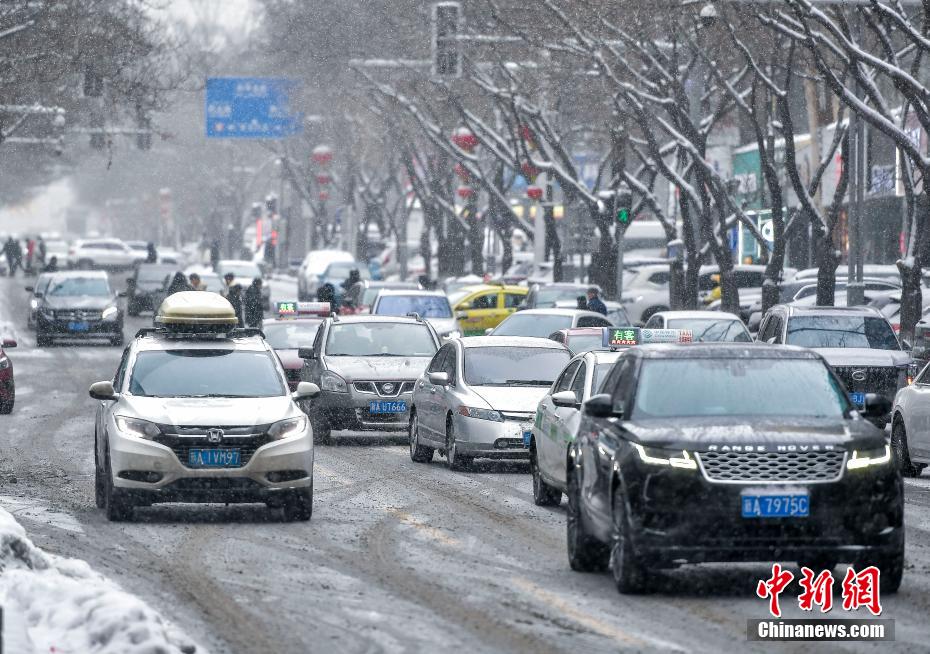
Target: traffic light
[[445, 46], [623, 204]]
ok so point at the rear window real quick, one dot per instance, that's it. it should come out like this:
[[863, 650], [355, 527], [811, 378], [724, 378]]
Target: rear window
[[708, 330], [427, 306], [841, 332], [529, 324]]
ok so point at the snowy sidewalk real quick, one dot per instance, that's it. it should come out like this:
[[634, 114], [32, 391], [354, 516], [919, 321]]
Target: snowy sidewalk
[[55, 604]]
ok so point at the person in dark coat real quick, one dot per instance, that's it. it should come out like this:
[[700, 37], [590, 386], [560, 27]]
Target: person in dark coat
[[252, 311], [41, 252], [582, 303], [354, 276], [214, 254], [234, 295], [9, 251], [595, 303], [151, 255], [17, 256], [178, 284], [52, 265], [327, 293]]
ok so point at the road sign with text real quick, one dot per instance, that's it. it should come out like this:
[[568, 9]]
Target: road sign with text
[[251, 108]]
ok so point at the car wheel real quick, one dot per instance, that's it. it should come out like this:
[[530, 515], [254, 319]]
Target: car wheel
[[43, 340], [891, 566], [322, 432], [6, 405], [454, 459], [585, 553], [132, 309], [543, 493], [99, 480], [630, 575], [117, 340], [902, 453], [648, 313], [418, 453], [298, 506], [117, 504]]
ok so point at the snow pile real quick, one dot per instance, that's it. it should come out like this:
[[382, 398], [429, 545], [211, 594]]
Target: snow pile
[[55, 604]]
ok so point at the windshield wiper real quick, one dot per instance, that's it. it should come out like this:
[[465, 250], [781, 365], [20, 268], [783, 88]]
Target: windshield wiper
[[527, 382]]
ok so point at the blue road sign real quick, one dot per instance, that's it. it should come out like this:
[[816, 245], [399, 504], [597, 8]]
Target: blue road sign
[[251, 108]]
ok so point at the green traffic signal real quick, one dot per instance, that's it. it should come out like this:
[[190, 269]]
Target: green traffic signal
[[623, 215]]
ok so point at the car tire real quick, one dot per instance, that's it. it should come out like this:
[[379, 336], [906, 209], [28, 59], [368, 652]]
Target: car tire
[[418, 453], [298, 506], [117, 341], [891, 566], [99, 480], [543, 493], [648, 313], [116, 503], [454, 459], [43, 340], [132, 309], [902, 452], [585, 553], [6, 405], [322, 431], [629, 573]]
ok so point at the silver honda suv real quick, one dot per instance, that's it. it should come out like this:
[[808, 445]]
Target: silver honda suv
[[366, 367]]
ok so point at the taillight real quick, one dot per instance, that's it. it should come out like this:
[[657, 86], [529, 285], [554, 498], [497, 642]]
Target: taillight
[[896, 327]]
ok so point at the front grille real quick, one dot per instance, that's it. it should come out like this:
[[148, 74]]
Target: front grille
[[388, 388], [77, 315], [519, 416], [247, 439], [882, 380], [772, 467]]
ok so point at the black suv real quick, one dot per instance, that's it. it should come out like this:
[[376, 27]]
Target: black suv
[[858, 342], [723, 452], [78, 305], [146, 284]]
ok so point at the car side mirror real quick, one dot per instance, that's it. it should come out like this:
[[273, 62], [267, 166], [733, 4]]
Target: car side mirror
[[103, 390], [565, 399], [306, 391], [487, 332], [876, 406], [8, 343], [439, 378], [30, 289], [305, 353], [121, 294], [771, 340], [461, 315], [40, 294], [600, 406]]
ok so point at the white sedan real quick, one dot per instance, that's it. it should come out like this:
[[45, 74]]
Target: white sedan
[[910, 425], [707, 326]]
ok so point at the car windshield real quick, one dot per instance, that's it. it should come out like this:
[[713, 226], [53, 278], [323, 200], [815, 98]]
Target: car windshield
[[532, 324], [841, 332], [513, 365], [241, 270], [547, 297], [154, 273], [79, 286], [427, 306], [600, 373], [341, 270], [205, 373], [284, 335], [380, 339], [212, 282], [684, 387], [712, 330], [578, 343]]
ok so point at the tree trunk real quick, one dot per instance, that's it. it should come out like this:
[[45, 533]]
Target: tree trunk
[[553, 244], [828, 260], [602, 271], [912, 273], [475, 240]]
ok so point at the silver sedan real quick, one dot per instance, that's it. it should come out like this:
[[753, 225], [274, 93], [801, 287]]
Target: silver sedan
[[478, 398]]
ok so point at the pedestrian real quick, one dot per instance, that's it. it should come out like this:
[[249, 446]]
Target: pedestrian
[[17, 255], [41, 252], [327, 293], [582, 302], [354, 277], [9, 251], [30, 253], [228, 279], [595, 303], [52, 265], [215, 254], [151, 254], [196, 284], [234, 295], [252, 312], [178, 284]]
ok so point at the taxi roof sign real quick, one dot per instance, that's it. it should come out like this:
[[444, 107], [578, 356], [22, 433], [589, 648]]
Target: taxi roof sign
[[196, 309], [619, 337], [292, 309]]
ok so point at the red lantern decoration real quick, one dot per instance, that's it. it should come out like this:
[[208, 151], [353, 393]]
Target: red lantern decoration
[[464, 192], [534, 193], [462, 172], [324, 196], [528, 137], [322, 155], [530, 172], [323, 179], [464, 139]]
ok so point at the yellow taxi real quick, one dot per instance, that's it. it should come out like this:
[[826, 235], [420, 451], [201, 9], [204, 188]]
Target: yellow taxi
[[482, 307]]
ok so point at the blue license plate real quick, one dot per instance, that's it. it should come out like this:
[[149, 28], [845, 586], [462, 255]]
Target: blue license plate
[[387, 407], [794, 505], [527, 435], [228, 458], [858, 399], [78, 326]]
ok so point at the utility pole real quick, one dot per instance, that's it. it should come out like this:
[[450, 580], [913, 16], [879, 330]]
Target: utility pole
[[623, 200], [855, 288]]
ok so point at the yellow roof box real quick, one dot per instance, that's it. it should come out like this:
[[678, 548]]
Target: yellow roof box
[[196, 309]]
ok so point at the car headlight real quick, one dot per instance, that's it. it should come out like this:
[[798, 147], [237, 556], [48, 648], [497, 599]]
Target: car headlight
[[4, 363], [330, 381], [453, 334], [287, 428], [658, 457], [33, 304], [865, 458], [109, 313], [481, 414], [136, 427]]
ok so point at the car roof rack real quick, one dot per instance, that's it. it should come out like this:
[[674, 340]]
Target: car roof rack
[[200, 335]]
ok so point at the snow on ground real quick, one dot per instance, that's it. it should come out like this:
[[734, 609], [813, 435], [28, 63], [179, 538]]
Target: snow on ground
[[56, 604]]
